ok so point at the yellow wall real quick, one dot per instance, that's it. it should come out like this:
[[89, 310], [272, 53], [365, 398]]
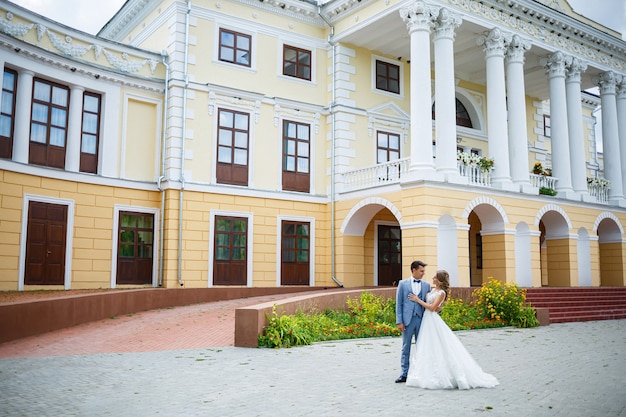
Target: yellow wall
[[141, 140], [612, 264], [93, 224]]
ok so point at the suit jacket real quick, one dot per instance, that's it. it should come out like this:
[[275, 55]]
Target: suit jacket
[[405, 308]]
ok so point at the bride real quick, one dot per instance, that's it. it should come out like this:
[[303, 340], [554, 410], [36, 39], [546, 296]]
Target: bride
[[439, 359]]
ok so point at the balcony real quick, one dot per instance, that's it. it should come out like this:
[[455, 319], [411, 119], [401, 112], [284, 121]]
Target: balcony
[[372, 176], [391, 172]]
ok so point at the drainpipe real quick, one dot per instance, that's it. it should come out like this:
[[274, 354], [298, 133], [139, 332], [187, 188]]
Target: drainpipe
[[162, 176], [332, 150], [182, 148]]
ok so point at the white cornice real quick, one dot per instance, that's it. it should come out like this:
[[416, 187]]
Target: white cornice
[[529, 18], [129, 16]]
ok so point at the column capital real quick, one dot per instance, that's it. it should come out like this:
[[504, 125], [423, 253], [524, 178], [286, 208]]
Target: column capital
[[517, 48], [445, 24], [418, 16], [607, 82], [621, 88], [555, 64], [495, 42], [575, 67]]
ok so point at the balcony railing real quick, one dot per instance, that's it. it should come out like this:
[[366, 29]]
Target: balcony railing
[[543, 181], [475, 174], [391, 172], [600, 192], [380, 174]]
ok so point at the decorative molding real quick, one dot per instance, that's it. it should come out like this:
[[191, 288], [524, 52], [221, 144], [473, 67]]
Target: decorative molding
[[548, 26], [215, 99], [14, 29], [400, 120], [312, 116], [64, 43]]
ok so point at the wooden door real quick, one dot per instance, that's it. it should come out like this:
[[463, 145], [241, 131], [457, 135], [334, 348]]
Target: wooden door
[[45, 244], [389, 255], [135, 248], [295, 253]]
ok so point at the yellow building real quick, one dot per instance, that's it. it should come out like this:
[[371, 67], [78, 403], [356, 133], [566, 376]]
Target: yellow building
[[274, 143]]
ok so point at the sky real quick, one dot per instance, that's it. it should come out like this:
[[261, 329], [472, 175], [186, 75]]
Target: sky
[[82, 15]]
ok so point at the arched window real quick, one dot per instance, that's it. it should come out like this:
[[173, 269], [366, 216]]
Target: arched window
[[462, 116]]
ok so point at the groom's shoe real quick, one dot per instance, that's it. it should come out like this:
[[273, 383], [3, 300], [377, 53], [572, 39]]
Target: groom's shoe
[[401, 378]]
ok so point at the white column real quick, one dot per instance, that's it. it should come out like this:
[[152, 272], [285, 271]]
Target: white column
[[518, 132], [22, 116], [575, 126], [445, 98], [419, 22], [74, 129], [610, 137], [497, 131], [621, 126], [555, 68]]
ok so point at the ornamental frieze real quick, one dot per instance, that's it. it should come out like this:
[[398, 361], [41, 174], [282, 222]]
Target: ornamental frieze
[[537, 32], [66, 45]]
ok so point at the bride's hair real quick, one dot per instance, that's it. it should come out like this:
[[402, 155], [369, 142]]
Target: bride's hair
[[444, 280]]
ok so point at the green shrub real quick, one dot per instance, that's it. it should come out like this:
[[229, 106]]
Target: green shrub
[[495, 305], [547, 191], [506, 302]]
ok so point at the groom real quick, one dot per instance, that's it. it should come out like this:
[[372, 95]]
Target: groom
[[409, 313]]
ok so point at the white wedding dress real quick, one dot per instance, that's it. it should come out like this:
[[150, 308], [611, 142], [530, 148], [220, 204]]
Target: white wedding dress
[[440, 361]]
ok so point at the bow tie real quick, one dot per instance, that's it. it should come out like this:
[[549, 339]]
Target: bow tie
[[417, 281]]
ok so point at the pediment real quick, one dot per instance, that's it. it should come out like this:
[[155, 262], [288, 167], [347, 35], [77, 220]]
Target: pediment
[[389, 110]]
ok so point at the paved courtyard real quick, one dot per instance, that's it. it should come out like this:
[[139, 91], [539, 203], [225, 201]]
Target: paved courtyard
[[565, 370]]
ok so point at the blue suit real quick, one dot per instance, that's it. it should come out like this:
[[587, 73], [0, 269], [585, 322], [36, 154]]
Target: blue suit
[[410, 314]]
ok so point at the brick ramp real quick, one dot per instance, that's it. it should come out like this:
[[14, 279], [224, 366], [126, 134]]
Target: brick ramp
[[580, 304]]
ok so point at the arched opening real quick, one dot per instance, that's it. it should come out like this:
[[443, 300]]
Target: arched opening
[[611, 253]]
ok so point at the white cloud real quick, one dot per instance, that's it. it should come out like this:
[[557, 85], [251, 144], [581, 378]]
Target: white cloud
[[610, 13]]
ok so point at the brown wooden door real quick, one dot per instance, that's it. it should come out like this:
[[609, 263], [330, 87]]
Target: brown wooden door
[[135, 248], [389, 255], [295, 253], [45, 244], [230, 254]]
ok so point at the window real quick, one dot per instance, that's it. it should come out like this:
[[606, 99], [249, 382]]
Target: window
[[547, 126], [230, 251], [462, 115], [388, 147], [90, 133], [232, 147], [295, 253], [387, 77], [296, 159], [296, 62], [387, 150], [235, 47], [135, 243], [7, 113], [48, 128]]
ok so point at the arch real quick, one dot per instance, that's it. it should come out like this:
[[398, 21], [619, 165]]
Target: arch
[[491, 213], [584, 258], [472, 107], [558, 228], [361, 214], [607, 215]]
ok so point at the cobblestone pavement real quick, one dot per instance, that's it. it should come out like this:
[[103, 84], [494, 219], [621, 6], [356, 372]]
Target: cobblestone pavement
[[564, 370]]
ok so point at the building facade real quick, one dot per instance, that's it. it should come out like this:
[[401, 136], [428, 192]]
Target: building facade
[[271, 143]]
